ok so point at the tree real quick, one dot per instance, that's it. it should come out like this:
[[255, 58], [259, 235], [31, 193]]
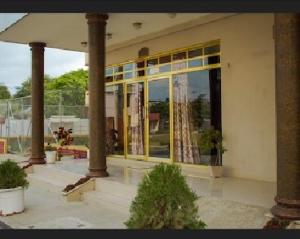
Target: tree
[[25, 88], [71, 86], [4, 92]]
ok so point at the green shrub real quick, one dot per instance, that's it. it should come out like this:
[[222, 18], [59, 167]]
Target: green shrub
[[164, 201], [12, 175]]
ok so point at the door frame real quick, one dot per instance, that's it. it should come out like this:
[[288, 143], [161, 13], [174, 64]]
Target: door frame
[[146, 156]]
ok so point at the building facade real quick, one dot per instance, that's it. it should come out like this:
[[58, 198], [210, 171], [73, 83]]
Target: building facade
[[216, 73]]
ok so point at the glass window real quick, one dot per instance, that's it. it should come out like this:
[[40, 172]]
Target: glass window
[[179, 56], [118, 77], [141, 64], [135, 119], [128, 75], [165, 59], [195, 63], [109, 78], [212, 60], [191, 107], [128, 67], [195, 53], [118, 69], [165, 68], [153, 70], [140, 73], [159, 128], [152, 62], [212, 49], [179, 66], [109, 71], [114, 100]]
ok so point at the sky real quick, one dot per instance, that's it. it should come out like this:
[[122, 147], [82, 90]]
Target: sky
[[15, 59]]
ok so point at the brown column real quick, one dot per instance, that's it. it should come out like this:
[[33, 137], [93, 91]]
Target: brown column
[[37, 102], [96, 45], [287, 54]]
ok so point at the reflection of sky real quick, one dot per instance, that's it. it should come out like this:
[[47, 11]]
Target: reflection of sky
[[159, 90], [198, 84]]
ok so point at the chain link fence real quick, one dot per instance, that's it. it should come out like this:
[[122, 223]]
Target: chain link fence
[[59, 110]]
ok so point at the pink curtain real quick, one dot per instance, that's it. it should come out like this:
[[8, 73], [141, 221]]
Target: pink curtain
[[137, 119], [186, 148]]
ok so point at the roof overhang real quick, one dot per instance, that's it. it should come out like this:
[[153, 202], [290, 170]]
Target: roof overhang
[[69, 30]]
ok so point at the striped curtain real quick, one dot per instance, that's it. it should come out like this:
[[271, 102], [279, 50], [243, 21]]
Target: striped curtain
[[186, 148]]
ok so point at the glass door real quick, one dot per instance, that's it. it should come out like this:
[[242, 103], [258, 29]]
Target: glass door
[[158, 119], [135, 117]]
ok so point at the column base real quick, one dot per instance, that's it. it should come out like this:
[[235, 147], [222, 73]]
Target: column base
[[287, 209], [39, 160], [97, 173]]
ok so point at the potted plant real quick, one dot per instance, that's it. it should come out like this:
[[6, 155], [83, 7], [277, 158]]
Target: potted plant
[[164, 201], [12, 183], [50, 152], [211, 141]]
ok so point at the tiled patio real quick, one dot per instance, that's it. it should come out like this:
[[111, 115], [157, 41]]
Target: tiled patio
[[223, 203]]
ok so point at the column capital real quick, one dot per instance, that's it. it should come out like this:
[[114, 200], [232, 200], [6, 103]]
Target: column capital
[[96, 17], [37, 44]]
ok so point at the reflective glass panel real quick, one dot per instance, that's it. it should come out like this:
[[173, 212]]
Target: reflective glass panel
[[128, 67], [191, 110], [159, 128], [195, 53], [114, 119], [195, 63], [135, 118], [212, 49]]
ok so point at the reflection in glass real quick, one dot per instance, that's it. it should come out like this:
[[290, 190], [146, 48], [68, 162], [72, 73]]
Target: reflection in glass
[[159, 130], [191, 107], [135, 114], [212, 49], [114, 119]]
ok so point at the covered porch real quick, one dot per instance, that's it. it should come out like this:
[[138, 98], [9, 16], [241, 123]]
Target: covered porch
[[100, 34]]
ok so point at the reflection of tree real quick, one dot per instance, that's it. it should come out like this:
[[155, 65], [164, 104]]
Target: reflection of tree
[[199, 108], [161, 107]]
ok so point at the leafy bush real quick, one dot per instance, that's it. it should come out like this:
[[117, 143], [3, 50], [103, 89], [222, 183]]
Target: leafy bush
[[11, 175], [164, 201]]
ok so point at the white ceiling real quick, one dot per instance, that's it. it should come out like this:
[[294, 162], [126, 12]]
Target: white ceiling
[[68, 30]]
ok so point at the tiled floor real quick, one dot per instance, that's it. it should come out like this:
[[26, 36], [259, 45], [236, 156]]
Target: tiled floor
[[223, 202], [246, 191]]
